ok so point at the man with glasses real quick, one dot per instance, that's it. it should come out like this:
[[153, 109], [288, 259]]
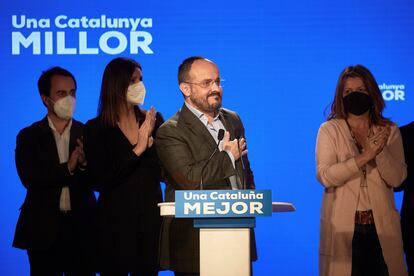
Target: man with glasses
[[186, 146]]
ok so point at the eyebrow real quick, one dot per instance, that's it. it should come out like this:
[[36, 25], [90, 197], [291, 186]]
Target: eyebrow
[[218, 78], [361, 87], [60, 91]]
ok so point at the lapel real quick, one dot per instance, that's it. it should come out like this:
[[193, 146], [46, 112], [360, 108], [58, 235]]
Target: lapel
[[227, 122], [343, 127], [47, 140], [75, 133], [190, 121]]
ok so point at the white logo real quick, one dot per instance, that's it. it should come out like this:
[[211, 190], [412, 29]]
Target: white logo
[[110, 42], [391, 92]]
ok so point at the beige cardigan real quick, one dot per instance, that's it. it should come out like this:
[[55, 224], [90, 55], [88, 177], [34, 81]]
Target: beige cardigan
[[336, 169]]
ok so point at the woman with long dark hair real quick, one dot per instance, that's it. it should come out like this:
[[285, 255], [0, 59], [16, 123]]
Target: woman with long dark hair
[[359, 161], [124, 169]]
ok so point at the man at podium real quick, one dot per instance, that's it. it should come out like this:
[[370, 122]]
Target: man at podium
[[201, 147]]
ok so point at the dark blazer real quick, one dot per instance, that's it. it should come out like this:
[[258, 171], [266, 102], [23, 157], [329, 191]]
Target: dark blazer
[[43, 176], [407, 210], [184, 145], [129, 191]]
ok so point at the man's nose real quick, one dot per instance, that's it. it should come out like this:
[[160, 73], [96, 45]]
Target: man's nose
[[216, 86]]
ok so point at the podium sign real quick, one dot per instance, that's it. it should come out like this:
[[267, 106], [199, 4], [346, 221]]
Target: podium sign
[[223, 203], [225, 219]]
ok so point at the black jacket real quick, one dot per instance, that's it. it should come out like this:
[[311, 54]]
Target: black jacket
[[43, 176], [129, 191], [407, 210]]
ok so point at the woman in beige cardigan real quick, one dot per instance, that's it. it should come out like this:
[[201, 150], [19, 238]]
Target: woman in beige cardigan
[[359, 161]]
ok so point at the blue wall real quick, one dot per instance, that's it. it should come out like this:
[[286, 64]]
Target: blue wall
[[280, 61]]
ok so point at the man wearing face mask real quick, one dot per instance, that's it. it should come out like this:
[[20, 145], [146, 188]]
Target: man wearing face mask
[[55, 225], [185, 145]]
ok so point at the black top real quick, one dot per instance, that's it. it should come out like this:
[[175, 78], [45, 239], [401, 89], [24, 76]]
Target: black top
[[407, 210], [129, 191]]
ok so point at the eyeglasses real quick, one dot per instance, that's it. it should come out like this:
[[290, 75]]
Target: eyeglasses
[[207, 83]]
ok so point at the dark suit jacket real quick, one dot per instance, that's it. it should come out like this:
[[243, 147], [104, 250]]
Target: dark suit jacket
[[407, 210], [43, 176], [184, 145], [129, 190]]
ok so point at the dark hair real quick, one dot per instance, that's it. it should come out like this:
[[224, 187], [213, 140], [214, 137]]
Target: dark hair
[[115, 81], [45, 80], [359, 71], [185, 67]]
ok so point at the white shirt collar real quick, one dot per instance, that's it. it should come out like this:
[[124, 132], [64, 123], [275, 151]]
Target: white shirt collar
[[200, 115], [52, 126]]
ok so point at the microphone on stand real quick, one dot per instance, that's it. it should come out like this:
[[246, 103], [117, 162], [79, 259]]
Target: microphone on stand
[[220, 136]]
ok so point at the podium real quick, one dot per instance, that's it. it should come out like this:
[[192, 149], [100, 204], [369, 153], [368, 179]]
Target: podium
[[224, 237]]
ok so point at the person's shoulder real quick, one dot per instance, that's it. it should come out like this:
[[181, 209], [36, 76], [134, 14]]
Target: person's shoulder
[[170, 127], [229, 112], [408, 127], [76, 123], [172, 122], [388, 123], [94, 125], [159, 117], [33, 128], [94, 122], [333, 124], [333, 128]]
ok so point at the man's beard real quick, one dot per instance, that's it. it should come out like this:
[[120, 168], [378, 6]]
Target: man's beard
[[204, 106]]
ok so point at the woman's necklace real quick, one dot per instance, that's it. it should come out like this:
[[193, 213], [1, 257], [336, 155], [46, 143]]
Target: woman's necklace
[[358, 145]]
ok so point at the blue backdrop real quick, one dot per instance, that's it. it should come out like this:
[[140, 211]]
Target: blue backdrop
[[280, 61]]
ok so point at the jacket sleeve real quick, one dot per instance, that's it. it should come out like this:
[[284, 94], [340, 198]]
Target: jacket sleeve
[[35, 173], [104, 171], [177, 159], [407, 135], [390, 162], [330, 171]]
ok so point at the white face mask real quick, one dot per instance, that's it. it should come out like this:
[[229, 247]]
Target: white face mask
[[64, 107], [136, 93]]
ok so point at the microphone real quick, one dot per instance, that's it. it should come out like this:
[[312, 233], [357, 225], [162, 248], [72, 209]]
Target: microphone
[[237, 134], [220, 136]]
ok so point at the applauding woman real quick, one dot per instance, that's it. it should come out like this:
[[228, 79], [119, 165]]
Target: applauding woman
[[125, 171], [359, 161]]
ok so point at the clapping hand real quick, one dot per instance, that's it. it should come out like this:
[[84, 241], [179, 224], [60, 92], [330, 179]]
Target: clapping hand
[[145, 139], [77, 157], [375, 144]]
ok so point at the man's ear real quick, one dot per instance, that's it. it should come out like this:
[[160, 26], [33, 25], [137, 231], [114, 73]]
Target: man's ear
[[185, 89], [45, 100]]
